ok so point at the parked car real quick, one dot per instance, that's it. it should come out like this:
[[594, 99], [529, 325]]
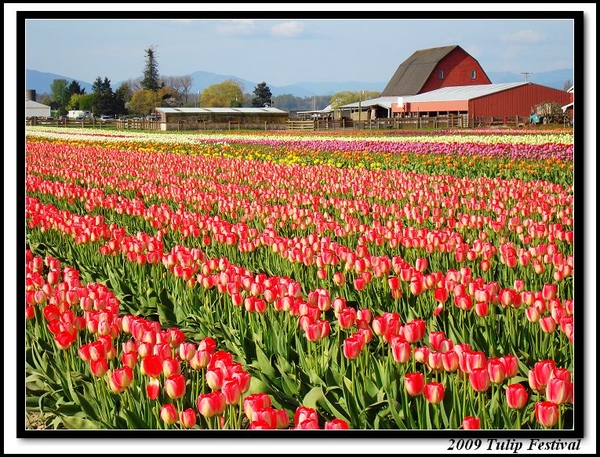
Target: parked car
[[105, 117]]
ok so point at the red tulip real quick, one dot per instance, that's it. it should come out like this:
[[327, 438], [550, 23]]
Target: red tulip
[[546, 413], [352, 346], [99, 366], [479, 379], [153, 388], [175, 386], [496, 370], [516, 396], [511, 365], [168, 413], [282, 419], [211, 404], [268, 415], [232, 391], [434, 392], [450, 361], [255, 402], [120, 379], [152, 366], [401, 350], [549, 291], [171, 366], [471, 423], [559, 390], [187, 418], [414, 383], [304, 413], [336, 424]]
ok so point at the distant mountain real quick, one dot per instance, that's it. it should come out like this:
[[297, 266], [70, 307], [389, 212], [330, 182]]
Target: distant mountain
[[42, 82], [555, 79], [203, 79]]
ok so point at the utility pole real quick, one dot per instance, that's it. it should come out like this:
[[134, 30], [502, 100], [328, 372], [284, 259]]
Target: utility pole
[[526, 73], [359, 104]]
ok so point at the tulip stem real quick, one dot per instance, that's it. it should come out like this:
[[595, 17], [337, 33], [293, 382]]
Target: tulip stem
[[484, 424]]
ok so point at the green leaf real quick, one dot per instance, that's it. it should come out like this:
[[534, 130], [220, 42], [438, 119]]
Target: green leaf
[[165, 309], [312, 397], [78, 423], [265, 364], [133, 419], [87, 407]]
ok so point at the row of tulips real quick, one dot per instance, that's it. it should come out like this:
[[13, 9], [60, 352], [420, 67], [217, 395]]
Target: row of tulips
[[549, 161]]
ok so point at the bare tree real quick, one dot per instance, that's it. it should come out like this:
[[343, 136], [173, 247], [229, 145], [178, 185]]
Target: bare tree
[[180, 84]]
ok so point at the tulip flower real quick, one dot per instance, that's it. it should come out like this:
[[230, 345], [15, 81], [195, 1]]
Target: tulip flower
[[559, 390], [153, 388], [187, 418], [479, 379], [414, 383], [352, 346], [152, 366], [99, 367], [516, 396], [401, 349], [212, 404], [168, 413], [434, 392], [282, 419], [232, 391], [255, 402], [336, 424], [496, 370], [546, 413], [471, 423], [175, 386], [120, 378]]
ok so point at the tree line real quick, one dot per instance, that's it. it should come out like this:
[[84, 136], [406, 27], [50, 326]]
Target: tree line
[[142, 95]]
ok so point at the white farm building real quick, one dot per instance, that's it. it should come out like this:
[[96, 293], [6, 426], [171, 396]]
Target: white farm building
[[35, 109]]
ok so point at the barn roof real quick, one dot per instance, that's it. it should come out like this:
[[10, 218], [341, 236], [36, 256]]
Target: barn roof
[[200, 110], [384, 102], [32, 104], [412, 74], [460, 92]]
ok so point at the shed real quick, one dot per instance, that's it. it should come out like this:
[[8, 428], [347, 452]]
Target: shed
[[194, 118], [35, 109], [376, 108], [486, 100]]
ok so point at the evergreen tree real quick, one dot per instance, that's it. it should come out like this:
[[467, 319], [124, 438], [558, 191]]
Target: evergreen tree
[[74, 88], [104, 97], [151, 78], [262, 95]]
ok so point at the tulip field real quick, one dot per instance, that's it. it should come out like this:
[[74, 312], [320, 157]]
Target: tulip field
[[293, 281]]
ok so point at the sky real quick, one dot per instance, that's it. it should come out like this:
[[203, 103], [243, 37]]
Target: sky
[[287, 49]]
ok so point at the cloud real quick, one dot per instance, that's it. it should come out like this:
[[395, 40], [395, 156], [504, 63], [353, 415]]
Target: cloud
[[525, 36], [290, 29], [237, 27]]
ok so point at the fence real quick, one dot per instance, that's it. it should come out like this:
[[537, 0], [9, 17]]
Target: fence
[[408, 123]]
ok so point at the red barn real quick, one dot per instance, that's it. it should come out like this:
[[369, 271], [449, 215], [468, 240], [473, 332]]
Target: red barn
[[435, 68]]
